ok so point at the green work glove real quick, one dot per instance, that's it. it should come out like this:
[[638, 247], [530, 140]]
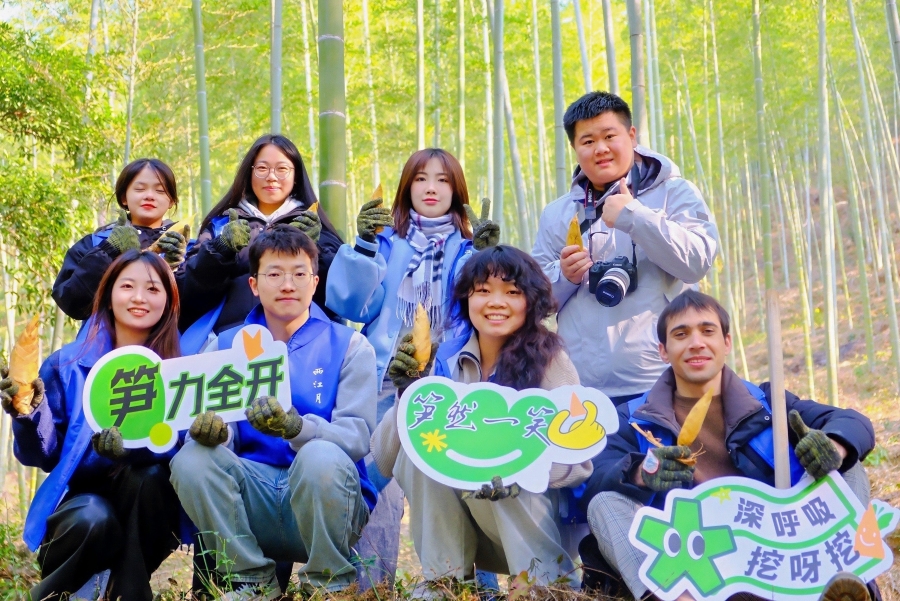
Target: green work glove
[[236, 233], [815, 451], [267, 416], [173, 245], [124, 237], [404, 369], [108, 443], [495, 491], [372, 218], [209, 429], [485, 233], [8, 390], [309, 223], [661, 470]]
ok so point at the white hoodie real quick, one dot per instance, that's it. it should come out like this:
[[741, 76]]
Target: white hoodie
[[615, 349]]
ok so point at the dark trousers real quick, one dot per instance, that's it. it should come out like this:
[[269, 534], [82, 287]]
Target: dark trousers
[[127, 524]]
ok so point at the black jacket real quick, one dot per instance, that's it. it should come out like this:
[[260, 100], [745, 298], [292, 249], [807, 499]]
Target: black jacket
[[84, 266], [745, 417], [212, 271]]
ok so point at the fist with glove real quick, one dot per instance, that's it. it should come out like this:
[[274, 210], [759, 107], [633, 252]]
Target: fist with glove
[[485, 233], [372, 218], [267, 416], [404, 368], [235, 235], [173, 245], [662, 471], [123, 237], [817, 453], [108, 443], [209, 429], [9, 389]]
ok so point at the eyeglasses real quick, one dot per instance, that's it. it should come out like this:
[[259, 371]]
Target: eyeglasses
[[275, 278], [262, 171]]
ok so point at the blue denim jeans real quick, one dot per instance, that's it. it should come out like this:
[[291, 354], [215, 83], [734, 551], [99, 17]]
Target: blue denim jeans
[[252, 514]]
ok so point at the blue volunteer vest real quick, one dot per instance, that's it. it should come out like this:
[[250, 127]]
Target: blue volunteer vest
[[315, 355]]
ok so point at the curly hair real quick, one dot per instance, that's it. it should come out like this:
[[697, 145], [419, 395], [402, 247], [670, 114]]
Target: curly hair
[[527, 353]]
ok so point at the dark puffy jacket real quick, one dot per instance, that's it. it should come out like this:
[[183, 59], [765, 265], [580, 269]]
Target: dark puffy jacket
[[745, 419], [212, 271], [84, 266]]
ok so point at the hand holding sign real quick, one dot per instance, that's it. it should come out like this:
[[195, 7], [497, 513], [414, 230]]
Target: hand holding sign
[[267, 416]]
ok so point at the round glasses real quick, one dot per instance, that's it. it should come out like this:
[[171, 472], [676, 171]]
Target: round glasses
[[262, 171], [275, 278]]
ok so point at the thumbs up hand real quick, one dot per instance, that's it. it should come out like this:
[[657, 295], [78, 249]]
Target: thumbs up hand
[[817, 453], [614, 204]]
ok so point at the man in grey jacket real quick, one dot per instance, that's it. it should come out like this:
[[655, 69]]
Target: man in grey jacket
[[629, 202]]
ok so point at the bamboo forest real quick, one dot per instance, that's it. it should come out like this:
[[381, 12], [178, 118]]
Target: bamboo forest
[[784, 114]]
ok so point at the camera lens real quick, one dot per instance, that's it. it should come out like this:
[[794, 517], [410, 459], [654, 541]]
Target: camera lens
[[612, 286]]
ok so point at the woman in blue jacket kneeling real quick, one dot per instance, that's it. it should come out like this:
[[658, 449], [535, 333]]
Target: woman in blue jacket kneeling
[[102, 506]]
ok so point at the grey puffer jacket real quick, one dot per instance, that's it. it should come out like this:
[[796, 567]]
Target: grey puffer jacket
[[615, 349]]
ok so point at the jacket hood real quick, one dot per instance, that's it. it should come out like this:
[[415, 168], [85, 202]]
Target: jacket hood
[[654, 168]]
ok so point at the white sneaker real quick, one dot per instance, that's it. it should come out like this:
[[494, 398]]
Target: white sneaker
[[253, 591]]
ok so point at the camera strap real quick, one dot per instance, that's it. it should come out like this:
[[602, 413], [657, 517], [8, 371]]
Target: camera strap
[[590, 208]]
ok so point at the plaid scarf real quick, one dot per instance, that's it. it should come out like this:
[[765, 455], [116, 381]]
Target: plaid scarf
[[423, 283]]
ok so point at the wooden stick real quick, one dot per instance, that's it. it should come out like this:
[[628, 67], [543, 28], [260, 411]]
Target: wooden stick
[[776, 380]]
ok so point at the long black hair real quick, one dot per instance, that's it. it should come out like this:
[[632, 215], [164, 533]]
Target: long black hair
[[243, 188], [527, 353]]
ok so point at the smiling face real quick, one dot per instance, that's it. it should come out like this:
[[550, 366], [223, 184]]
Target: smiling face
[[696, 349], [138, 300], [497, 309], [286, 301], [146, 199], [431, 192], [604, 148], [270, 191]]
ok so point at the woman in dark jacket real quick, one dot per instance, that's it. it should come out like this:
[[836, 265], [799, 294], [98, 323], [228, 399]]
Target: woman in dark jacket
[[271, 186], [146, 190]]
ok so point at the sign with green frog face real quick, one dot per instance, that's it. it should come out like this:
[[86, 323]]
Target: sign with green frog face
[[463, 435], [150, 399]]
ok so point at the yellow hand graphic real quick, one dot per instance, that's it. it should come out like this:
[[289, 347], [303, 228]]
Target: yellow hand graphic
[[582, 435]]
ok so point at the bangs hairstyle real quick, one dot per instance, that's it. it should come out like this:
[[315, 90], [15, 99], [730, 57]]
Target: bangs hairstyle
[[527, 353], [594, 104], [163, 337], [454, 172], [242, 186], [163, 173], [285, 239], [691, 299]]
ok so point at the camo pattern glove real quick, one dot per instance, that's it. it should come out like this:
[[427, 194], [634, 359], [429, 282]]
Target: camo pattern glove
[[236, 233], [372, 217], [309, 223], [267, 416], [209, 429], [661, 471], [174, 246], [485, 233], [108, 443], [8, 390], [124, 237], [815, 451], [495, 491], [404, 369]]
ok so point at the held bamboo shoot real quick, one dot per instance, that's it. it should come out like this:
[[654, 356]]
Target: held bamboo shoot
[[421, 337], [183, 227], [574, 235], [24, 363], [694, 420]]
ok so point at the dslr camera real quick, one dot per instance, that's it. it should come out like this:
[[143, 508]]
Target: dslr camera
[[610, 281]]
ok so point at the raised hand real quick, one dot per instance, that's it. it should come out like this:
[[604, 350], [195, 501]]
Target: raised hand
[[372, 218], [404, 369], [485, 233], [9, 389], [309, 223], [662, 471], [173, 245], [236, 233], [267, 416], [124, 237]]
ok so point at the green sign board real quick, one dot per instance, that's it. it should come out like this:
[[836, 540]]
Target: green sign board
[[732, 535], [463, 435], [150, 399]]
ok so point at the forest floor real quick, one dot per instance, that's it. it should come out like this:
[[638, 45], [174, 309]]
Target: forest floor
[[871, 392]]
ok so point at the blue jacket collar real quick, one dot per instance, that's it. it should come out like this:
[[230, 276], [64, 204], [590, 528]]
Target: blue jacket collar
[[258, 317]]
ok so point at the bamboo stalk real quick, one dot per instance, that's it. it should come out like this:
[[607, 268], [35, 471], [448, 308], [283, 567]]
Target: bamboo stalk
[[310, 113], [582, 46], [562, 179], [610, 45], [332, 113], [498, 103], [373, 118], [202, 115], [461, 83], [420, 74], [275, 84], [638, 84]]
